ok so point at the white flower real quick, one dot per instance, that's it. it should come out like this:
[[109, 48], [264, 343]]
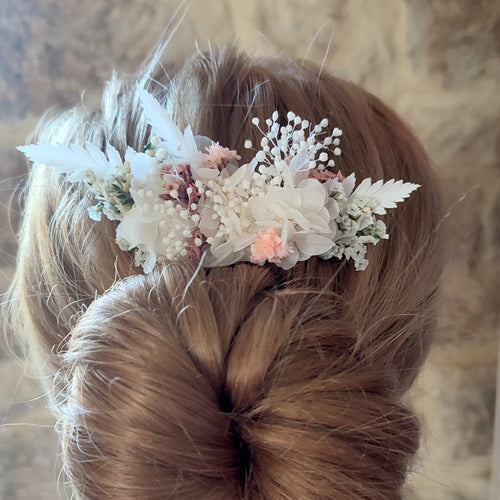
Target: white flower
[[160, 229], [300, 213], [142, 166]]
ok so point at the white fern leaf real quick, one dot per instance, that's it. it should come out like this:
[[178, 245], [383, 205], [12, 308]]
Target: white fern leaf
[[74, 160], [385, 194]]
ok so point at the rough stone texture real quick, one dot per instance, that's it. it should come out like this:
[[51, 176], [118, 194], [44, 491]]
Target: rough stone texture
[[436, 63]]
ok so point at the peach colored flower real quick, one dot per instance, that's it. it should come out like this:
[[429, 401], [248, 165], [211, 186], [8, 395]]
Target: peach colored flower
[[268, 246], [219, 156]]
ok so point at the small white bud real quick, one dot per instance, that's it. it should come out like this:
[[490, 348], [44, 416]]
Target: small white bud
[[260, 156]]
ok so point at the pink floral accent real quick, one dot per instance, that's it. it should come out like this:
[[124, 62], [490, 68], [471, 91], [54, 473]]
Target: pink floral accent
[[194, 251], [219, 156], [182, 182], [324, 175], [268, 246]]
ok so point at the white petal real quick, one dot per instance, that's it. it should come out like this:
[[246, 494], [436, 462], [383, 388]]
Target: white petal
[[141, 166], [223, 254], [135, 230], [312, 244], [150, 262], [242, 173], [208, 226], [299, 167], [205, 174], [348, 184], [289, 261], [242, 241], [320, 221], [313, 195]]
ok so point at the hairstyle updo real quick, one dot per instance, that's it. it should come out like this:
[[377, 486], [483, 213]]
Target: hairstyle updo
[[240, 382]]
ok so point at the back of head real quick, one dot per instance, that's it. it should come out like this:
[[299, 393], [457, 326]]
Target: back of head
[[242, 381]]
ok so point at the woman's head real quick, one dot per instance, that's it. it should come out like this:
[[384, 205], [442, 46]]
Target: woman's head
[[240, 381]]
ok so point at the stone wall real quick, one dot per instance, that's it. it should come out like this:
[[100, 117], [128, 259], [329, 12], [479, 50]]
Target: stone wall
[[435, 62]]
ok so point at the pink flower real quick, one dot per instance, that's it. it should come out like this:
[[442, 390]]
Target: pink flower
[[219, 156], [325, 175], [179, 178], [268, 246]]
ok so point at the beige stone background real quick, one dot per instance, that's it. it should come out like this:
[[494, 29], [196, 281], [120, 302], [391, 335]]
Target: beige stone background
[[435, 61]]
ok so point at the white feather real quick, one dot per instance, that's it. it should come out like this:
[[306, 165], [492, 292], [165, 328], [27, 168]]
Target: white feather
[[181, 146], [157, 116], [386, 194], [114, 158], [74, 159]]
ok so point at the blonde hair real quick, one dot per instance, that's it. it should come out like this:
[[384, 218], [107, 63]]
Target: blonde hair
[[241, 382]]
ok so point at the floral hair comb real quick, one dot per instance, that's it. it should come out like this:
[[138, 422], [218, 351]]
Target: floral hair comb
[[184, 196]]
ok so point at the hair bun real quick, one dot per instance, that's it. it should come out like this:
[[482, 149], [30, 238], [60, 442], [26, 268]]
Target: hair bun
[[221, 385], [316, 410], [142, 416]]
